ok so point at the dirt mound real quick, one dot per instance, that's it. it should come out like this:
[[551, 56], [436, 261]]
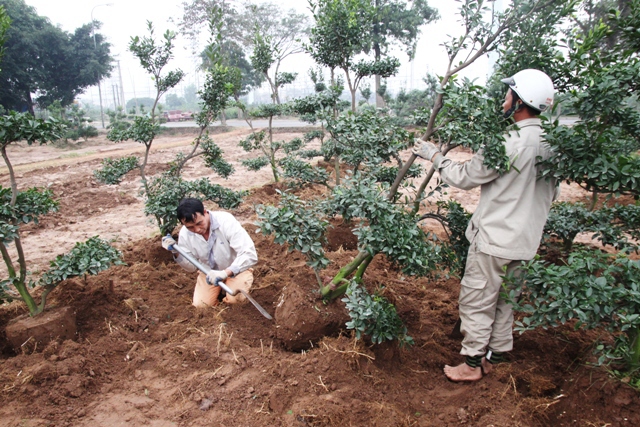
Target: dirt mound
[[143, 351]]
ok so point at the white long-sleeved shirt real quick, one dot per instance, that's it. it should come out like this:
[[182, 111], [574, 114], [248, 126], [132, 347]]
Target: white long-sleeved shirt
[[513, 208], [232, 246]]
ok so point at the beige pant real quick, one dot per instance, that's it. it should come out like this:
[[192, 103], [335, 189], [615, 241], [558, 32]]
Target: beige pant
[[205, 295], [487, 318]]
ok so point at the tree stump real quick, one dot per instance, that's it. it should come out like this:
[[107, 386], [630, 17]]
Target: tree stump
[[30, 334]]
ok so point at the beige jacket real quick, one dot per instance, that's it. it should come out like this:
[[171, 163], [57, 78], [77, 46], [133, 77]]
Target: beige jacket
[[513, 208], [232, 245]]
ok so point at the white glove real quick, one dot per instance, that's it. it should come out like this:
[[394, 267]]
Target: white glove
[[167, 242], [426, 150], [212, 275]]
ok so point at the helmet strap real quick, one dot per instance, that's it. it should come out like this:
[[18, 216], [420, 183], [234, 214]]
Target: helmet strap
[[514, 107]]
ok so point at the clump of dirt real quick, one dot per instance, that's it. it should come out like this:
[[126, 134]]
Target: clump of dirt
[[340, 235]]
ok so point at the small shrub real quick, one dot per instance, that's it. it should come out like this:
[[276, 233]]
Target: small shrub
[[592, 289], [298, 223], [165, 193], [388, 173], [255, 164], [86, 258], [114, 169], [310, 154], [374, 316], [302, 173]]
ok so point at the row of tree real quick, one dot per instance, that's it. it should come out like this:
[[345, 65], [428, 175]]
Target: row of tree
[[44, 64], [258, 37], [596, 68]]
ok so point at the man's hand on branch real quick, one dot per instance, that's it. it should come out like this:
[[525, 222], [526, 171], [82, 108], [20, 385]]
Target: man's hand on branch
[[425, 149], [168, 242], [216, 274]]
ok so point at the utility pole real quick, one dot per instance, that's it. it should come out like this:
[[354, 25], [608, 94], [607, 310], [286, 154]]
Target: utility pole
[[135, 97], [93, 30], [115, 104], [122, 101]]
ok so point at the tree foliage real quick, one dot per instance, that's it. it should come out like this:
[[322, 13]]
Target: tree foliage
[[599, 153], [113, 170], [343, 30], [592, 288], [374, 316], [41, 59], [166, 192]]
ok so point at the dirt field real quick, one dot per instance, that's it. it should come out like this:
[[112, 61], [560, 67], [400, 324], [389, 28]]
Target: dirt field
[[145, 356]]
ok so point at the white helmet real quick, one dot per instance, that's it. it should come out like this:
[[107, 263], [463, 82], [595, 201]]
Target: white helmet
[[533, 87]]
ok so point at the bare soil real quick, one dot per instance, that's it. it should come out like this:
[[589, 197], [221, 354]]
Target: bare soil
[[144, 356]]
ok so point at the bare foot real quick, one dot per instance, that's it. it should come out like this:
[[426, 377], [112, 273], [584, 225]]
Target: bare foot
[[463, 372], [486, 366]]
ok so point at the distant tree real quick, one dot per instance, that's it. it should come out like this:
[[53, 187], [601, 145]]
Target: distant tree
[[173, 101], [235, 30], [140, 103], [406, 104], [246, 28], [43, 61], [190, 95], [343, 30], [5, 21], [397, 23], [276, 35], [197, 14], [233, 55]]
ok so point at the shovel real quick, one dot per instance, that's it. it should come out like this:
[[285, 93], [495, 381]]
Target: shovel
[[219, 282]]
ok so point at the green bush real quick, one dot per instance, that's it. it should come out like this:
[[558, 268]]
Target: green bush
[[255, 164], [232, 113], [86, 258], [309, 154], [610, 225], [388, 173], [374, 316], [165, 193], [114, 169], [592, 289], [301, 173], [298, 223]]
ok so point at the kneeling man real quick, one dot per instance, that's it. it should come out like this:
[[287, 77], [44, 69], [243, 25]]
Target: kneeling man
[[216, 239]]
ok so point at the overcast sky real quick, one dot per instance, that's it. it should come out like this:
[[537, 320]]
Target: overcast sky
[[126, 18]]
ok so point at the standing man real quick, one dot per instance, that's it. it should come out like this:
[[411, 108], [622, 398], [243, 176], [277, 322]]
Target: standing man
[[216, 239], [507, 225]]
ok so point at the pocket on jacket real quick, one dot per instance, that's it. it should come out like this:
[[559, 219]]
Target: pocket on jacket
[[472, 291]]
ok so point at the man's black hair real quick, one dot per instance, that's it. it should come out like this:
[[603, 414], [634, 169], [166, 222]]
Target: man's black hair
[[188, 208]]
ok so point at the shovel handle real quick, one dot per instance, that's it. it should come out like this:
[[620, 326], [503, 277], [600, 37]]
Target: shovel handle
[[220, 282]]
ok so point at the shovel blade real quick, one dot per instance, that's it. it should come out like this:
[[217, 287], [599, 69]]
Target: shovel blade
[[256, 305]]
